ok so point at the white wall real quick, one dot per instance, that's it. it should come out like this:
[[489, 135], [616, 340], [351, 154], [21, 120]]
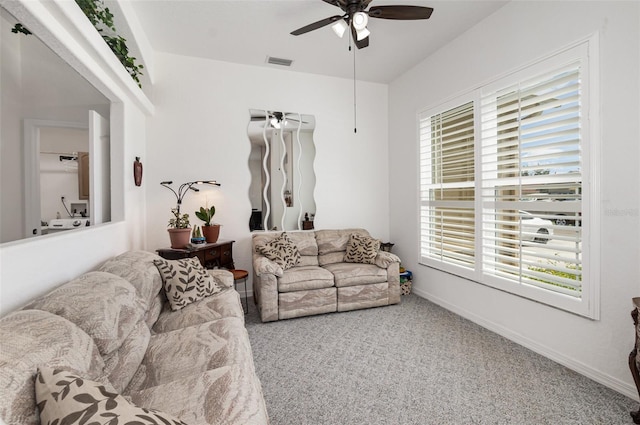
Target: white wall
[[29, 268], [199, 131], [515, 35]]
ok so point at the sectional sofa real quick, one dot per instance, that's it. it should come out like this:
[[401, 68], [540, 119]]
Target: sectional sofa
[[111, 347]]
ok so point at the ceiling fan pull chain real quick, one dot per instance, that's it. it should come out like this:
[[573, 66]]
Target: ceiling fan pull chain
[[355, 129]]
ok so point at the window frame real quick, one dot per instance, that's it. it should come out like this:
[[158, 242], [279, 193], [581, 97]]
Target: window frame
[[588, 304]]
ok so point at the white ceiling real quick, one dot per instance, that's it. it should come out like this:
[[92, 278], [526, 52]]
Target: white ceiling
[[247, 31]]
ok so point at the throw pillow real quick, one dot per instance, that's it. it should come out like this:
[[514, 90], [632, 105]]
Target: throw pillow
[[361, 249], [281, 251], [66, 398], [186, 281]]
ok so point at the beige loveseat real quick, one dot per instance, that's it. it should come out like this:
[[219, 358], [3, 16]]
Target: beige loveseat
[[321, 281], [109, 342]]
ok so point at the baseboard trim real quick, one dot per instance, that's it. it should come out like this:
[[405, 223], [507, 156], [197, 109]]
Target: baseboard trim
[[593, 374]]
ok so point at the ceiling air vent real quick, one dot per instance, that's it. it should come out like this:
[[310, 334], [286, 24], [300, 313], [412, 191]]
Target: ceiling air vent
[[279, 61]]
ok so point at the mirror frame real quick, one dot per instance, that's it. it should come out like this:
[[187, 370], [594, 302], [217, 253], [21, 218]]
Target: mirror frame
[[290, 169]]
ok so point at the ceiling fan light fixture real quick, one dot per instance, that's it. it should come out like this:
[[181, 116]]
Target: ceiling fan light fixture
[[362, 34], [360, 21], [339, 28]]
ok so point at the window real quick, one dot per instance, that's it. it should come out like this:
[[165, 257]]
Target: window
[[504, 178], [448, 186]]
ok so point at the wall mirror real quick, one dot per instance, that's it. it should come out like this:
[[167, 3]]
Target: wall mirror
[[282, 175], [55, 163]]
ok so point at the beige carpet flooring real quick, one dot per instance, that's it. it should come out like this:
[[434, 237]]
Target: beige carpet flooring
[[416, 363]]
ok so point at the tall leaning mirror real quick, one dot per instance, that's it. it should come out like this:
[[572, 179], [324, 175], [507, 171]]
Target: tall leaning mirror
[[282, 175], [55, 162]]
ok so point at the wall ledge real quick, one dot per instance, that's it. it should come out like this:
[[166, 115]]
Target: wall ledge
[[62, 26]]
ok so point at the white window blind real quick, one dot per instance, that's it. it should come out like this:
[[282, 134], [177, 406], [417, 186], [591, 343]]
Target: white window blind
[[447, 174], [532, 181], [504, 177]]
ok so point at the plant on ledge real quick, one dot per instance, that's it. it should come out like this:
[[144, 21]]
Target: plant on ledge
[[102, 19]]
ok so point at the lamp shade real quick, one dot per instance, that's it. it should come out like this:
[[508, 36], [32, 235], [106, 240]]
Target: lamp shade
[[362, 34], [339, 27], [360, 20]]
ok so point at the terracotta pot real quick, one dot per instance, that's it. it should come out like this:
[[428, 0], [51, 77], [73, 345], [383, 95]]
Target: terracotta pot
[[179, 237], [211, 233]]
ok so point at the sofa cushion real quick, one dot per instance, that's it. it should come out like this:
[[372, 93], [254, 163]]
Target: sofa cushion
[[361, 249], [104, 305], [67, 398], [32, 338], [335, 240], [186, 281], [332, 244], [123, 363], [193, 350], [305, 242], [281, 251], [157, 305], [305, 277], [363, 296], [350, 274], [137, 268], [307, 303], [219, 306], [229, 395]]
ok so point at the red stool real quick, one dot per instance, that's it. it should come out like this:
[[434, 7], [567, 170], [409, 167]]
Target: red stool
[[241, 275]]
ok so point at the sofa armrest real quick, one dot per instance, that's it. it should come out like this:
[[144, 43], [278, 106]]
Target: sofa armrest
[[223, 277], [384, 259], [262, 265]]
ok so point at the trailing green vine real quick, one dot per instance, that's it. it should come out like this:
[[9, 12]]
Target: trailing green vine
[[19, 28], [102, 19]]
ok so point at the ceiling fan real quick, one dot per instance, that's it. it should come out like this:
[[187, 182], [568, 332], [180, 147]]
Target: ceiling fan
[[356, 16], [277, 118]]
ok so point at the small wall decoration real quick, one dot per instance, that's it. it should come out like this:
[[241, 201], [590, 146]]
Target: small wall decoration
[[137, 171]]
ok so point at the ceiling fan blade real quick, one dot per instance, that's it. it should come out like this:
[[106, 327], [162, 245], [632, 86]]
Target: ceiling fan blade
[[360, 44], [316, 25], [400, 12], [338, 3]]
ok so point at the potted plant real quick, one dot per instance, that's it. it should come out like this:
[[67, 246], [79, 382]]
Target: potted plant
[[209, 231], [196, 236], [179, 230]]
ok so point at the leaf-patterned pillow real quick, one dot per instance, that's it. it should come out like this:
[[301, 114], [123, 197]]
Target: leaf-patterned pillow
[[186, 281], [66, 398], [361, 249], [281, 251]]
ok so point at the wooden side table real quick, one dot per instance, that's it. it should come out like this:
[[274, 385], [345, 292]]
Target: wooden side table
[[211, 255], [633, 363], [241, 275]]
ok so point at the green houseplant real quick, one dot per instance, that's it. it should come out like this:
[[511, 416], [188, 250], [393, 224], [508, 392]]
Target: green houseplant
[[102, 20], [196, 236], [179, 230], [211, 232]]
